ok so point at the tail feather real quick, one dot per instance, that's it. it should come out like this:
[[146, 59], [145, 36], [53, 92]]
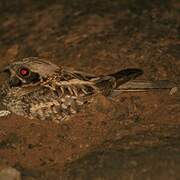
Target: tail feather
[[112, 81], [126, 75], [147, 85]]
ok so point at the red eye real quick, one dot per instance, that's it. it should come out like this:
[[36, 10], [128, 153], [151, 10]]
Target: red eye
[[24, 72]]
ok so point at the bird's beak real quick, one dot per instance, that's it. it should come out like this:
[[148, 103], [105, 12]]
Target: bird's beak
[[5, 69], [4, 73]]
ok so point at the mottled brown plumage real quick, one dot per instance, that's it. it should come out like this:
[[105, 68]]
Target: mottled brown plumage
[[40, 89]]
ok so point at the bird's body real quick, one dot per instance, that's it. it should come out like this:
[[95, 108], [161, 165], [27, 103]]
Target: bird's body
[[43, 90]]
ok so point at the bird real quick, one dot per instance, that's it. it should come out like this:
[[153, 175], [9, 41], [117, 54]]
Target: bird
[[39, 89]]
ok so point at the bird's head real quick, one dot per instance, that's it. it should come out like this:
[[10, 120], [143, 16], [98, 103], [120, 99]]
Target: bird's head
[[29, 71]]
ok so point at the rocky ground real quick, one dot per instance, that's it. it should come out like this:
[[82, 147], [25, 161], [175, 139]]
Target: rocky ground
[[133, 136]]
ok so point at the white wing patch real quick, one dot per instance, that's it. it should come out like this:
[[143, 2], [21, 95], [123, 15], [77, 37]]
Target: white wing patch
[[4, 113]]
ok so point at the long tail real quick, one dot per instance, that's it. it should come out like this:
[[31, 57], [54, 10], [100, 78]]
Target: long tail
[[146, 85], [126, 75], [125, 81]]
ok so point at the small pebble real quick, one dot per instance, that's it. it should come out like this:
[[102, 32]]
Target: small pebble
[[9, 173], [173, 91]]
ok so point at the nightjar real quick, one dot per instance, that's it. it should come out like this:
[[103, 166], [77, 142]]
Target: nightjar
[[36, 88]]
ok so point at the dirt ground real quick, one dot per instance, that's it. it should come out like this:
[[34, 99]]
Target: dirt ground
[[133, 136]]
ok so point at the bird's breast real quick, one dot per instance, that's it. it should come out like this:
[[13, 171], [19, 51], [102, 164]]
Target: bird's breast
[[53, 107], [45, 104]]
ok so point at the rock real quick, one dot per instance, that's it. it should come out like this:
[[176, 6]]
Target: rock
[[9, 173], [173, 91]]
